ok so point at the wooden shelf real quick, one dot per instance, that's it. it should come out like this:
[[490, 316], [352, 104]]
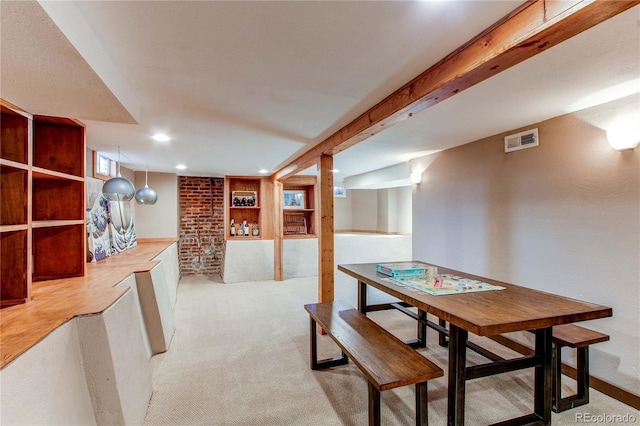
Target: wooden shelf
[[42, 201], [13, 164], [52, 223], [299, 237], [12, 228], [261, 214], [40, 173], [292, 218]]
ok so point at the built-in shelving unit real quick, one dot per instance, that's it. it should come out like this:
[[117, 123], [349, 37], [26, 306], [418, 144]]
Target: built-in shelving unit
[[59, 237], [300, 221], [42, 164], [254, 204], [15, 230]]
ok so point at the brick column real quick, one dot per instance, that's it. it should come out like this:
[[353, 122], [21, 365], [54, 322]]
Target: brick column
[[202, 243]]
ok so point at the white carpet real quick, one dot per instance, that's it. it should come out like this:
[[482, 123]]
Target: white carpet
[[240, 356]]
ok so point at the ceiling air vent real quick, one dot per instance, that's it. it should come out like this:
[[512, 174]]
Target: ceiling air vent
[[522, 140]]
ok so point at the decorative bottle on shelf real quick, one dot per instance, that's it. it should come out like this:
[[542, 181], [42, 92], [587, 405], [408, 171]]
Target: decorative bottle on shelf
[[246, 227], [254, 229], [232, 228]]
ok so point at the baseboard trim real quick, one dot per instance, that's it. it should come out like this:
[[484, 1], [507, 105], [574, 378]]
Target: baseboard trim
[[366, 231], [606, 388]]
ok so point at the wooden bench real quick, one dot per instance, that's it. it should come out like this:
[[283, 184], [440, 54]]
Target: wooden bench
[[386, 361], [573, 336]]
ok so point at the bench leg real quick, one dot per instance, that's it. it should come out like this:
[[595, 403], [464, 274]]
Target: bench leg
[[374, 405], [582, 380], [583, 374], [325, 363], [422, 410]]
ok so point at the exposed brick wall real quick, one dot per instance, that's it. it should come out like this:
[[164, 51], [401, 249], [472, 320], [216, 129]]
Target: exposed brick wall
[[202, 243]]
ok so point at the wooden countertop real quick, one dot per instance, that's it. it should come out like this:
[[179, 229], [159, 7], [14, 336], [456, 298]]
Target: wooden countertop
[[57, 301]]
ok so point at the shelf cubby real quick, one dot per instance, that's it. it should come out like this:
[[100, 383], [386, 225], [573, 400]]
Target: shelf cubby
[[15, 278], [260, 213], [300, 222], [57, 199], [58, 252], [14, 133], [13, 195], [58, 145]]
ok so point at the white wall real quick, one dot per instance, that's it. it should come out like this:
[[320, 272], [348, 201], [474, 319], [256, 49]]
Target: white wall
[[342, 212], [161, 219], [394, 210], [364, 209], [385, 210], [563, 217], [403, 215], [385, 214], [46, 384]]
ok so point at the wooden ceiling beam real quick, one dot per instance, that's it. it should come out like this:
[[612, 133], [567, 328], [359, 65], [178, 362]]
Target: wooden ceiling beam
[[531, 29]]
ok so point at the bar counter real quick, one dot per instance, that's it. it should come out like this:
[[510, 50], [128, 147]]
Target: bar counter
[[57, 301]]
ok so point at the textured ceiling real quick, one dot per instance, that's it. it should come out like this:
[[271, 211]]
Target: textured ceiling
[[241, 86]]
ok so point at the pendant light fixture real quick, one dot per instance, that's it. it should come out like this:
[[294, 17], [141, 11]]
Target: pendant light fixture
[[146, 195], [118, 188]]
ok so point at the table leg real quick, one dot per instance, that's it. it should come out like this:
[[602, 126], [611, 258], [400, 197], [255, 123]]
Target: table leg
[[457, 375], [313, 344], [422, 328], [442, 338], [362, 297], [543, 379]]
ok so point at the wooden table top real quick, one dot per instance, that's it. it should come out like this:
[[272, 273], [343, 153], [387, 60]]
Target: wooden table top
[[57, 301], [486, 313]]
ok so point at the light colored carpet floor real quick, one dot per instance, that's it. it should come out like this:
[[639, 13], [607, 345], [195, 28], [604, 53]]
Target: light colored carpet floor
[[240, 356]]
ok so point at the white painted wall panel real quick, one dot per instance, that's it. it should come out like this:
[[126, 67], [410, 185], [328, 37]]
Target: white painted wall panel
[[250, 260], [563, 217], [46, 384], [116, 362]]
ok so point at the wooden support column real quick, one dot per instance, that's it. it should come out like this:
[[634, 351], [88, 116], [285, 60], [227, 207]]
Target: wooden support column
[[325, 234], [278, 241]]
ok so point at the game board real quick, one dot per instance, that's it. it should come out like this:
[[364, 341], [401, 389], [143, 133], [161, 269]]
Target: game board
[[438, 285]]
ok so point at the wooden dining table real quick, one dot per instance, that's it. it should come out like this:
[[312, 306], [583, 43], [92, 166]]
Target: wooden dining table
[[485, 313]]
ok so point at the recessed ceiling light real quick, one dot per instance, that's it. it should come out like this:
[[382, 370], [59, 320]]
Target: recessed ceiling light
[[263, 171], [181, 167], [161, 137]]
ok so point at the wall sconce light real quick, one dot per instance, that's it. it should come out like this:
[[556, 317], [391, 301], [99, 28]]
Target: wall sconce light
[[146, 195], [416, 177], [624, 138], [118, 188]]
